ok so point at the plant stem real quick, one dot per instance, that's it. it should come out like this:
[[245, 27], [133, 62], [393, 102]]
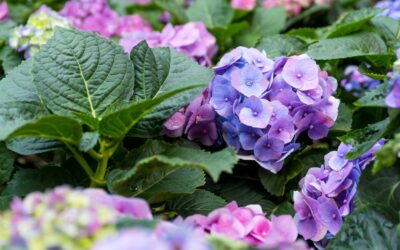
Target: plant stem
[[101, 170], [95, 155], [79, 158]]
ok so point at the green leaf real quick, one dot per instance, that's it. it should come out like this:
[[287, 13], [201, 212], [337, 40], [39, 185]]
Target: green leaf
[[26, 181], [88, 141], [19, 103], [31, 146], [281, 45], [5, 201], [200, 202], [9, 58], [284, 208], [147, 82], [174, 71], [351, 22], [245, 193], [357, 45], [164, 158], [157, 181], [213, 13], [267, 22], [366, 229], [173, 7], [6, 29], [6, 163], [387, 156], [375, 97], [275, 183], [308, 35], [388, 28], [381, 189], [221, 242], [81, 72], [344, 120], [51, 127], [118, 124], [363, 139]]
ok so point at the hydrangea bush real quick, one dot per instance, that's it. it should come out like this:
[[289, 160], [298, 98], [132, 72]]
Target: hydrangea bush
[[199, 124]]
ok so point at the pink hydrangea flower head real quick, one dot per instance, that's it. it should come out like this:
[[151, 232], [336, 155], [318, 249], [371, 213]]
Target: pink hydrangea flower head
[[3, 11]]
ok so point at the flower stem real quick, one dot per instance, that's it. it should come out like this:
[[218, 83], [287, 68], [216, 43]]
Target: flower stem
[[79, 158]]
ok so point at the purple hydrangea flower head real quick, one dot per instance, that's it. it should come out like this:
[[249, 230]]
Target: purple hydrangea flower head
[[3, 12], [192, 39], [390, 8], [263, 105], [197, 121], [357, 83], [97, 16], [327, 193], [393, 98]]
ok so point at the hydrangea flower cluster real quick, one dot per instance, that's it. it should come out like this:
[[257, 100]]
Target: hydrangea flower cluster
[[73, 218], [192, 39], [97, 16], [3, 12], [197, 121], [390, 8], [327, 193], [250, 225], [38, 30], [293, 7], [166, 236], [243, 4], [357, 83], [264, 105]]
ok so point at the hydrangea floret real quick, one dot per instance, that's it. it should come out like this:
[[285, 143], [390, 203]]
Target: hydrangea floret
[[357, 83], [97, 16], [38, 30], [327, 193], [390, 8], [191, 38], [393, 97], [73, 218], [4, 15], [263, 105]]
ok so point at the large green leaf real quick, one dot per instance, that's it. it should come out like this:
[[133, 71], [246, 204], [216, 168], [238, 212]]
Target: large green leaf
[[351, 21], [357, 45], [381, 190], [173, 7], [344, 119], [52, 127], [9, 58], [213, 13], [366, 229], [19, 103], [281, 45], [81, 72], [26, 181], [31, 146], [6, 163], [164, 158], [275, 183], [375, 97], [200, 202], [363, 139], [388, 28], [174, 71], [118, 124], [267, 22]]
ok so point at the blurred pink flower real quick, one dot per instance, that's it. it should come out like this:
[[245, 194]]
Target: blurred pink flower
[[243, 4], [3, 12]]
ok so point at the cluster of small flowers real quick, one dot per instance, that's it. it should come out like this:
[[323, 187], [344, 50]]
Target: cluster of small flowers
[[97, 16], [3, 12], [390, 8], [250, 225], [197, 121], [38, 30], [327, 193], [393, 98], [264, 105], [192, 39], [166, 236], [293, 7], [67, 217], [357, 83]]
